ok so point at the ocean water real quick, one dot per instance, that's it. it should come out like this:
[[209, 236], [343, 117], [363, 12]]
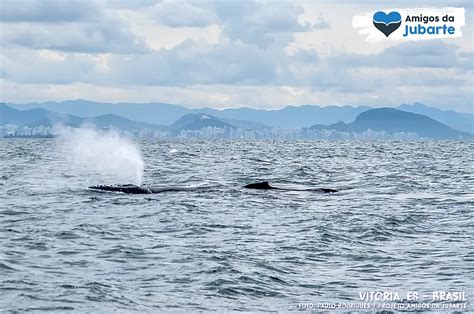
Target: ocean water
[[402, 220]]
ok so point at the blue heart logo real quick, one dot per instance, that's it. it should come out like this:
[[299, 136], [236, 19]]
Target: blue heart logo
[[387, 23]]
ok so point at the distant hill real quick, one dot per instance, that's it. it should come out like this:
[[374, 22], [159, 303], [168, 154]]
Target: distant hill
[[38, 116], [165, 114], [383, 119], [152, 113], [288, 117], [457, 120], [394, 121], [35, 116], [192, 122], [292, 116], [106, 120]]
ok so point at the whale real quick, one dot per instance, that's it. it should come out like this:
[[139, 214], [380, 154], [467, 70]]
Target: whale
[[123, 188], [135, 189], [266, 186], [259, 186]]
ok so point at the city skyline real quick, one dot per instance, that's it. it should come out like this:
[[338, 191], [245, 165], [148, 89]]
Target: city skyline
[[357, 123]]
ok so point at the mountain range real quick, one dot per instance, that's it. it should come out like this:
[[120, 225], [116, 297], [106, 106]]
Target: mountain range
[[388, 120], [288, 117], [39, 116], [393, 121]]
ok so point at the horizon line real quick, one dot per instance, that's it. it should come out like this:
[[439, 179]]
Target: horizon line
[[229, 108]]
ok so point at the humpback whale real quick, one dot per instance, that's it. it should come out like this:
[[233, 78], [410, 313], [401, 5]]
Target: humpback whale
[[266, 186], [135, 189], [124, 188], [259, 186]]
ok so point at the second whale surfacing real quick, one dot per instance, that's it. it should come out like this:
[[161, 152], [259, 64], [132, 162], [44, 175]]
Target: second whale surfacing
[[266, 186], [135, 189]]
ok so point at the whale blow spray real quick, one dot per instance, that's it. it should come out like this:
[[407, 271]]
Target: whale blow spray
[[103, 153]]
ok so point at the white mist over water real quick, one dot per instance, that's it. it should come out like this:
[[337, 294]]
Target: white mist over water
[[114, 159]]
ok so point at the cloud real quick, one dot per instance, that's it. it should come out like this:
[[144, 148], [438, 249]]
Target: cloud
[[429, 54], [201, 63], [320, 24], [190, 63], [70, 26], [197, 63], [466, 59], [181, 13], [49, 11], [22, 66], [135, 4], [96, 26], [252, 57], [260, 24], [252, 22], [98, 37], [194, 63]]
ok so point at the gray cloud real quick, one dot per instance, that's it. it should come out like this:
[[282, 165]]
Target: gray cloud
[[227, 63], [466, 58], [428, 54], [49, 10], [190, 63], [82, 26], [260, 24], [198, 63], [320, 24], [100, 37], [252, 22], [249, 55], [182, 13], [135, 4], [20, 65], [88, 26]]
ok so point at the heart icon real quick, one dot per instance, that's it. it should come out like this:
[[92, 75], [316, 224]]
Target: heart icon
[[387, 23]]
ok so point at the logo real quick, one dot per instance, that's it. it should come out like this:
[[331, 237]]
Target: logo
[[387, 23], [410, 23]]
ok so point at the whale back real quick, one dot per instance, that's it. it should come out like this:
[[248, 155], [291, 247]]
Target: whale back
[[124, 188], [135, 189], [259, 186], [266, 186]]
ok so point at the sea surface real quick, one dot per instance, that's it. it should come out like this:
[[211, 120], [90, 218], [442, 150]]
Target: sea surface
[[402, 220]]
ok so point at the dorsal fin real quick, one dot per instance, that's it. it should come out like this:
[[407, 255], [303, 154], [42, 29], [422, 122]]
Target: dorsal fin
[[259, 186]]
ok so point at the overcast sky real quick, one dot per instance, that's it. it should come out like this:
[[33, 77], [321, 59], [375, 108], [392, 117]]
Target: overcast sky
[[221, 54]]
